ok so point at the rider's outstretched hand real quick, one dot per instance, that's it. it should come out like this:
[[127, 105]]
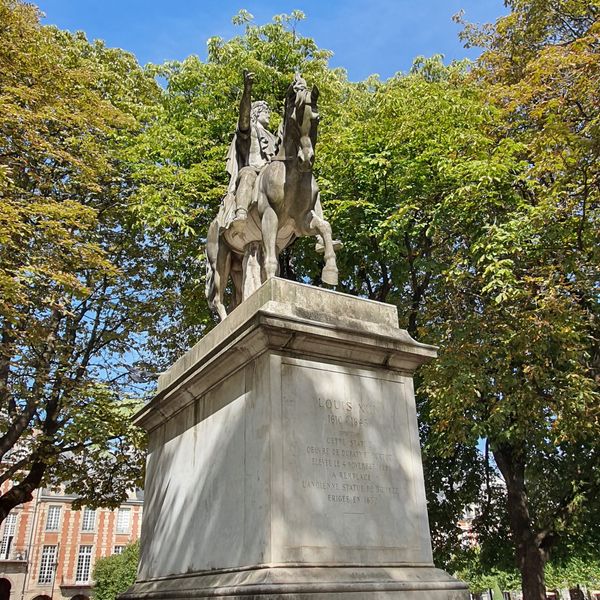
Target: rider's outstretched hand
[[248, 79]]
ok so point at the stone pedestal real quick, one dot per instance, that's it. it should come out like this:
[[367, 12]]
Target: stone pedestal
[[284, 458]]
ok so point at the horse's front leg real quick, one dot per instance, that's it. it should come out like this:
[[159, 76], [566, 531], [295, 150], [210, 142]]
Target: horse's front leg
[[317, 225], [251, 279], [320, 246], [269, 225], [269, 188]]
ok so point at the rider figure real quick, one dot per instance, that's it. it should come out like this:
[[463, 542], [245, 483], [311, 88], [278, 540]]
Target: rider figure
[[253, 146]]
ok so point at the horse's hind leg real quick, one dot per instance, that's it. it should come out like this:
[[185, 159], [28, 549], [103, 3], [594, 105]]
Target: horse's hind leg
[[269, 224], [214, 284], [236, 275], [221, 275], [319, 225]]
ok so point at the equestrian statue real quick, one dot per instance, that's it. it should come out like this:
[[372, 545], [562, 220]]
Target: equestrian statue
[[272, 198]]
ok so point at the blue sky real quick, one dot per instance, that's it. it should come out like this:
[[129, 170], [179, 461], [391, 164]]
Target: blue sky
[[367, 36]]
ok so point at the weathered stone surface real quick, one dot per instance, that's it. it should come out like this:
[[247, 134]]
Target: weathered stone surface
[[325, 313], [274, 195], [308, 583], [284, 458]]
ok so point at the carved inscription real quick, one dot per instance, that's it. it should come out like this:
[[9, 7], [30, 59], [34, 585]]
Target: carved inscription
[[345, 466], [348, 460]]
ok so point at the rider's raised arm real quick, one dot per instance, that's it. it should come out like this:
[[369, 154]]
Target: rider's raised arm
[[246, 103]]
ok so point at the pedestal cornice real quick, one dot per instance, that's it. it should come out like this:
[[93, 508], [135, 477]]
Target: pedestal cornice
[[296, 319]]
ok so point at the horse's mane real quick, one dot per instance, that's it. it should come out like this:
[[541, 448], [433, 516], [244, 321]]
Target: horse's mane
[[291, 102]]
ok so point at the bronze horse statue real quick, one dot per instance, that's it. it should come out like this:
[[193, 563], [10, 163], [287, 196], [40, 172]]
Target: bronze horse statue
[[285, 205]]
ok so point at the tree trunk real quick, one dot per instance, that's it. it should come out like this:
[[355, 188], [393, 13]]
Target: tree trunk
[[532, 572], [22, 492], [530, 556]]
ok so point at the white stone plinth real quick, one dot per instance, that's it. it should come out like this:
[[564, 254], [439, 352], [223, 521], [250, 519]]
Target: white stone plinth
[[284, 458]]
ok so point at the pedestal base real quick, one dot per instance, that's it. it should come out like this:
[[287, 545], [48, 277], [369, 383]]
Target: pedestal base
[[307, 583], [284, 459]]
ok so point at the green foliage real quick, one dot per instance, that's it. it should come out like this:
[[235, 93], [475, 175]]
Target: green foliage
[[577, 570], [479, 578], [114, 574], [76, 289], [468, 197], [410, 171]]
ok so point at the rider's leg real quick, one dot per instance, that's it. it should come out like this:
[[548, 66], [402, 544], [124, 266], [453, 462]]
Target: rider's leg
[[243, 194]]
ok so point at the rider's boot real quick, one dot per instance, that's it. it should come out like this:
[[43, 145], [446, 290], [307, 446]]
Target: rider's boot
[[239, 221]]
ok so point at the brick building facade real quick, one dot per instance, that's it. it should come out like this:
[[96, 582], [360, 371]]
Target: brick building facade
[[48, 550]]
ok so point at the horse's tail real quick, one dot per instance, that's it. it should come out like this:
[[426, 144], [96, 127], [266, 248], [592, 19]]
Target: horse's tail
[[209, 286]]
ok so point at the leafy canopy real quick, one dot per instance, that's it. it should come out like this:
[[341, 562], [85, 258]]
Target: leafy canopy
[[76, 289]]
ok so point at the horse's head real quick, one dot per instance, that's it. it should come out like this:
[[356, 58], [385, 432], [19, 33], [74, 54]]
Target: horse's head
[[301, 119]]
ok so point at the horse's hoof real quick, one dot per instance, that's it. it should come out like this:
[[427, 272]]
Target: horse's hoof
[[330, 276]]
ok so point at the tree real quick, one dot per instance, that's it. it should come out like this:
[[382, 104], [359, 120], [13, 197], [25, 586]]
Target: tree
[[114, 574], [521, 315], [410, 173], [76, 294], [464, 217], [400, 169]]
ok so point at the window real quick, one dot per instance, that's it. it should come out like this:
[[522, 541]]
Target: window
[[10, 524], [47, 564], [84, 561], [118, 549], [53, 518], [88, 520], [123, 520]]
